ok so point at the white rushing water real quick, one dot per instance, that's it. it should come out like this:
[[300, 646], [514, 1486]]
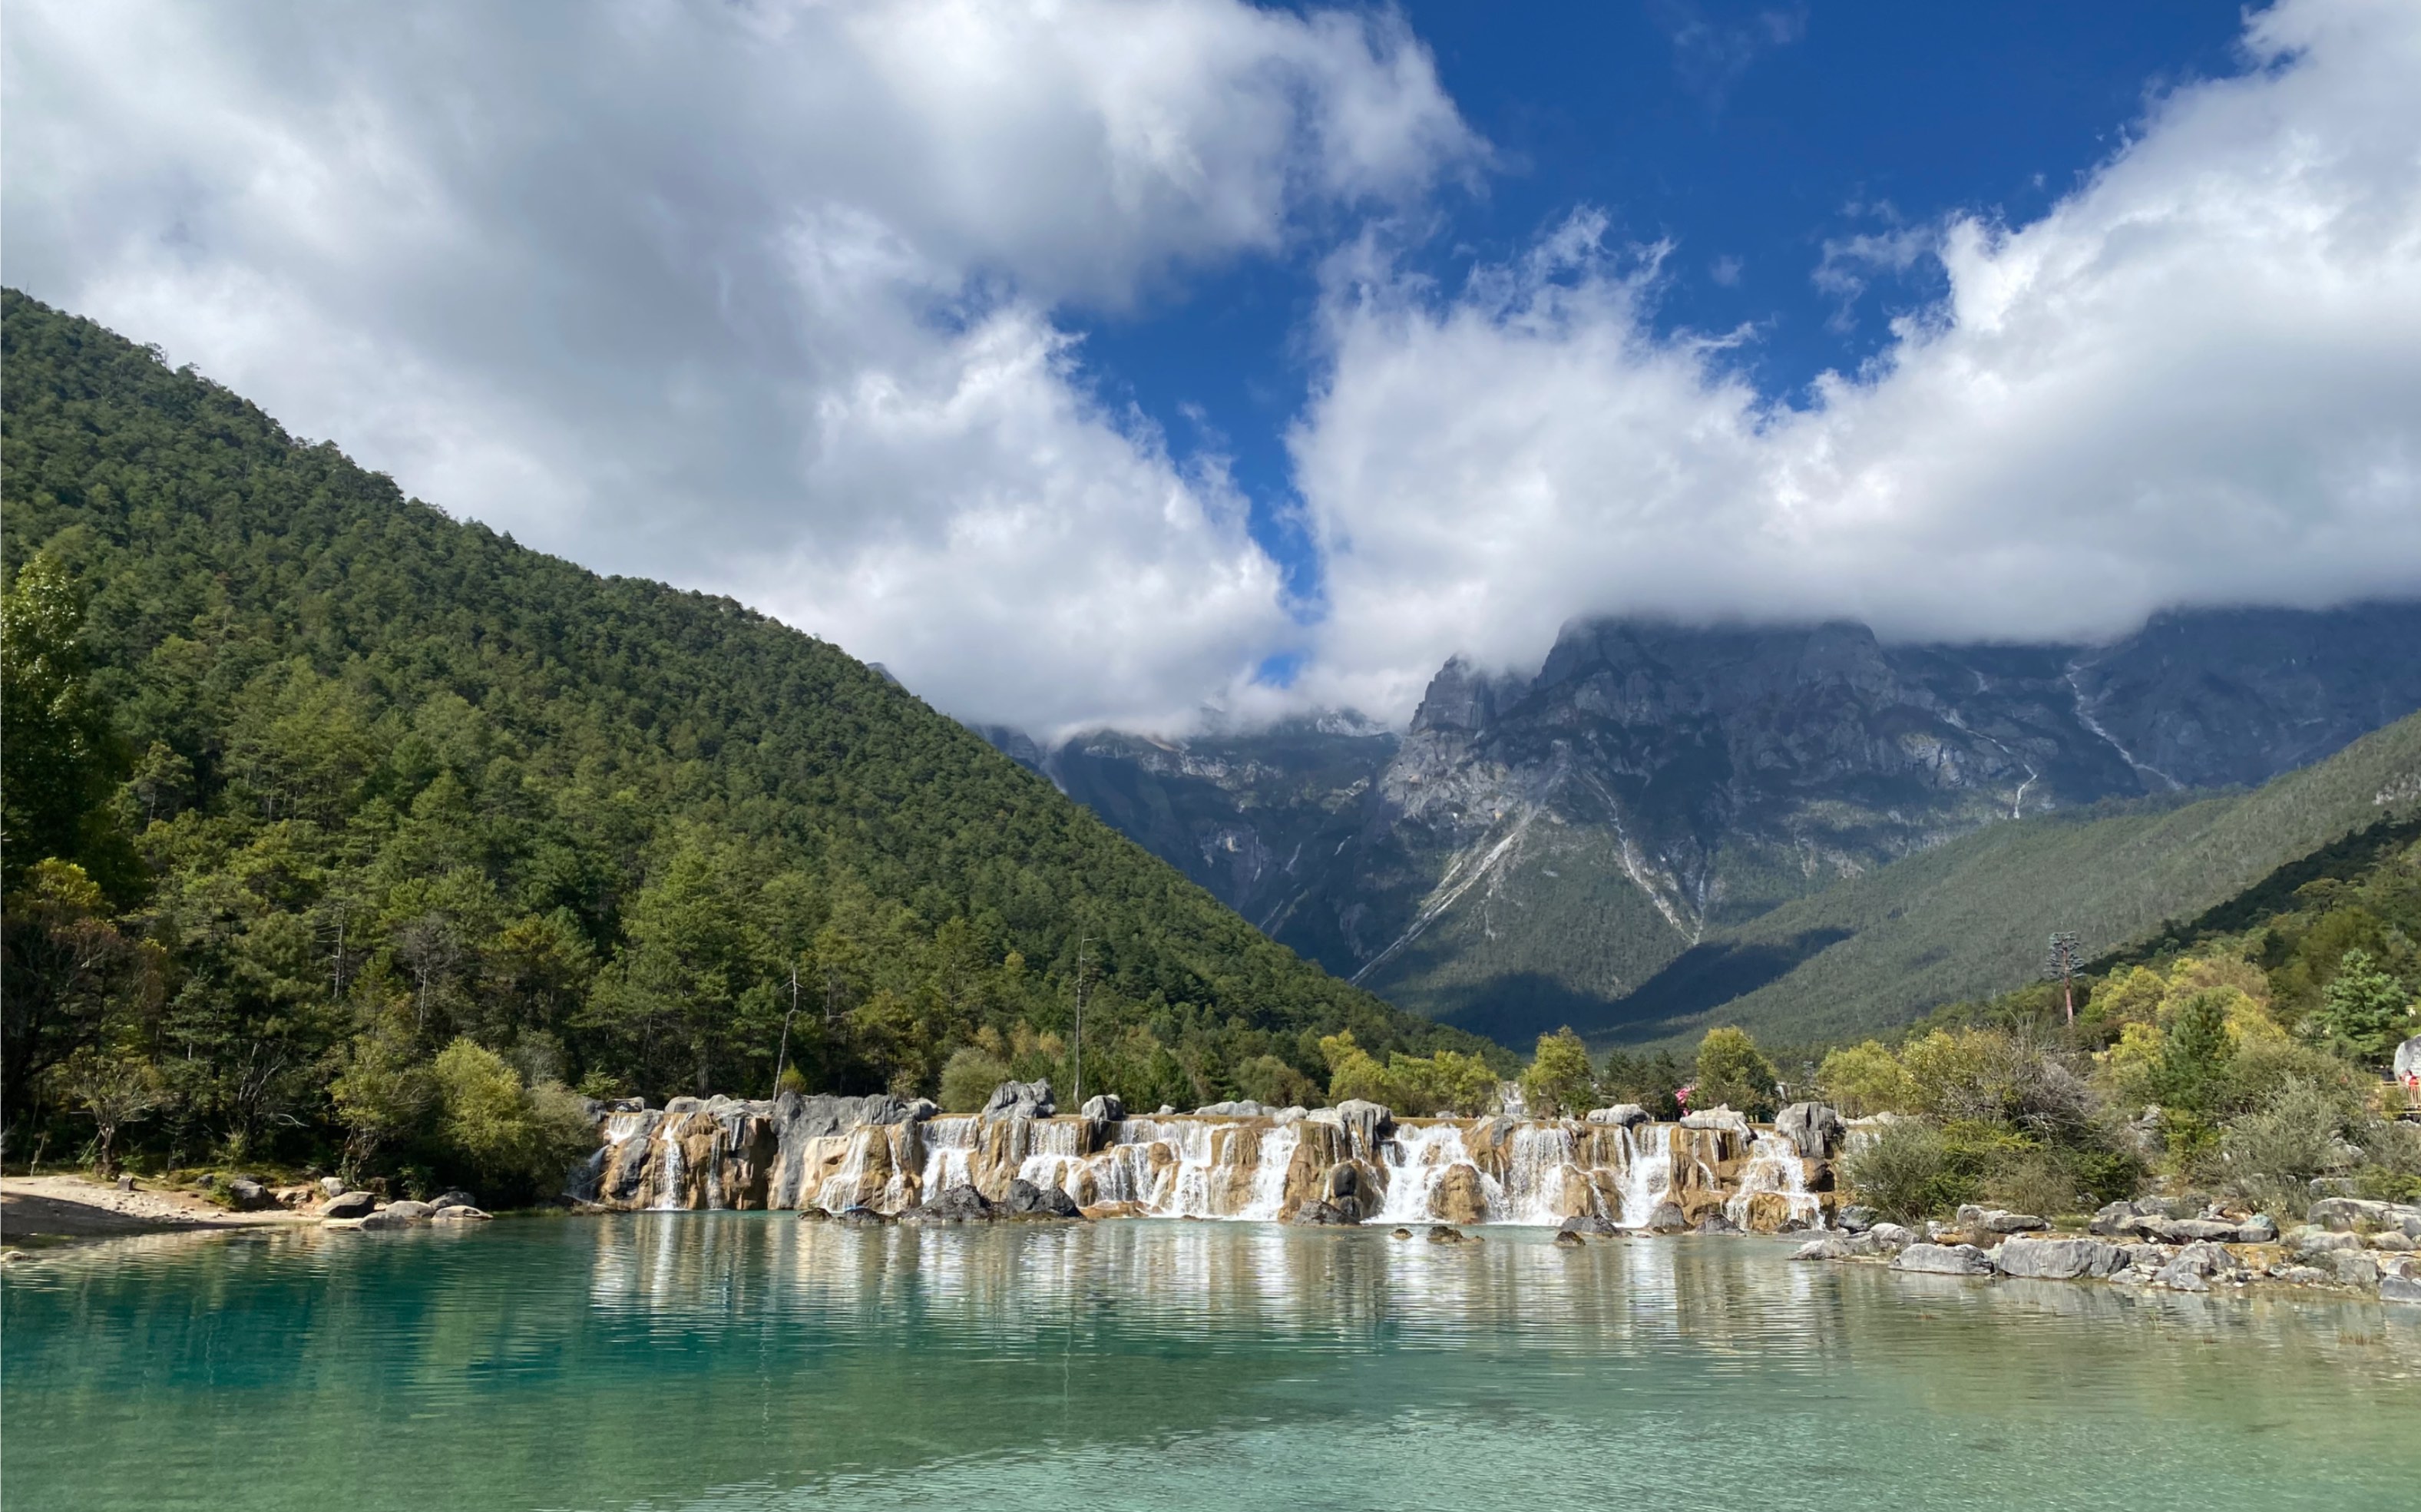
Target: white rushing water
[[1647, 1174], [1774, 1170]]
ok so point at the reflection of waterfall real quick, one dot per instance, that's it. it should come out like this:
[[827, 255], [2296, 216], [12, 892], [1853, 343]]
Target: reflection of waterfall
[[1213, 1166]]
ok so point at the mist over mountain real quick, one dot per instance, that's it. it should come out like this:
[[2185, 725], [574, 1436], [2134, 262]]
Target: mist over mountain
[[1534, 848]]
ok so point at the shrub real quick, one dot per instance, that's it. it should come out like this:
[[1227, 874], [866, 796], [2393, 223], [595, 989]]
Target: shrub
[[510, 1139], [1267, 1079], [2270, 1157], [1865, 1079], [1733, 1072], [2365, 1012], [2035, 1182], [968, 1077], [1903, 1172]]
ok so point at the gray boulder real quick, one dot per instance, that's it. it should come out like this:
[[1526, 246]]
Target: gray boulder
[[1830, 1247], [1722, 1118], [823, 1115], [2308, 1241], [249, 1195], [1667, 1219], [1239, 1108], [1856, 1219], [2193, 1267], [1945, 1260], [1024, 1199], [2345, 1215], [1717, 1224], [1583, 1225], [1814, 1128], [1367, 1122], [2399, 1289], [1621, 1115], [2354, 1269], [2200, 1231], [455, 1197], [2058, 1259], [409, 1210], [1998, 1221], [1020, 1099], [389, 1218], [958, 1205], [1324, 1215], [1892, 1236], [460, 1212], [332, 1186], [348, 1205], [2259, 1229], [1105, 1109]]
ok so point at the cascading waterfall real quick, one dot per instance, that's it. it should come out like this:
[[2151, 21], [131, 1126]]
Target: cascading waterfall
[[1418, 1159], [1212, 1166], [1774, 1170], [1647, 1173]]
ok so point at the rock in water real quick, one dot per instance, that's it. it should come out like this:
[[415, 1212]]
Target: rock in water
[[1442, 1235], [1667, 1219], [1813, 1127], [1589, 1225], [2059, 1259], [959, 1205], [2399, 1289], [348, 1205], [1565, 1235], [1402, 1233], [1321, 1214], [1458, 1197], [1024, 1199], [1105, 1109], [1020, 1099], [1856, 1219], [460, 1212], [1945, 1260], [1621, 1115]]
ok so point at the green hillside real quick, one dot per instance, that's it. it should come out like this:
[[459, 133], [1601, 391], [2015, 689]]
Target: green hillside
[[345, 781], [1970, 918]]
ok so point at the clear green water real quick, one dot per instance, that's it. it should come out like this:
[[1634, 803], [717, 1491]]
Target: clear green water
[[750, 1361]]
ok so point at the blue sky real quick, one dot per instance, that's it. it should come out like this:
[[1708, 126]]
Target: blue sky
[[1145, 362], [1747, 134]]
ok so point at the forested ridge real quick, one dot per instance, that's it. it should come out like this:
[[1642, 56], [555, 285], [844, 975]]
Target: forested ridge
[[308, 781]]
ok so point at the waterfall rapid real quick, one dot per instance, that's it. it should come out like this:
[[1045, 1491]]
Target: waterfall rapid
[[1362, 1167]]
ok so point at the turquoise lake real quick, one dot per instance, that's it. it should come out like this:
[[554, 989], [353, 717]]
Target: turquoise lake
[[752, 1361]]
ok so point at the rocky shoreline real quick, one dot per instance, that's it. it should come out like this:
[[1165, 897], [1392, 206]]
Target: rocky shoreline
[[2345, 1245]]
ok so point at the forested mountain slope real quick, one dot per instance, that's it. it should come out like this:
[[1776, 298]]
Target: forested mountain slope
[[1971, 918], [360, 779]]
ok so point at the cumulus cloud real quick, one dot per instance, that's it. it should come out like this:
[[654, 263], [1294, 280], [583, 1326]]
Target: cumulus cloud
[[772, 299], [2193, 382]]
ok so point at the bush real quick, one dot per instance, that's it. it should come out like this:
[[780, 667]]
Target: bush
[[2035, 1182], [2270, 1157], [1266, 1079], [968, 1077], [510, 1139], [1863, 1080], [1904, 1172]]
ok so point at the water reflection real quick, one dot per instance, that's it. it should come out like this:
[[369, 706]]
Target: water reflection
[[758, 1360]]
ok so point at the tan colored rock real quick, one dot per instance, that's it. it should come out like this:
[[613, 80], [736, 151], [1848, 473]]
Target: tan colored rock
[[1460, 1198]]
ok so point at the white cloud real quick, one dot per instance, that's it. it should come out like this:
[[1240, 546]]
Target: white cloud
[[760, 298], [2195, 380]]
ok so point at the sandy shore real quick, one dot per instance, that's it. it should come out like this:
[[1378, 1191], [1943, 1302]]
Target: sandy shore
[[51, 1209]]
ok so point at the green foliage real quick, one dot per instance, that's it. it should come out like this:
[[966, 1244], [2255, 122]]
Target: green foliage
[[62, 758], [2271, 1155], [514, 1140], [1904, 1172], [1270, 1082], [2365, 1013], [1652, 1080], [1866, 1079], [968, 1079], [1733, 1072], [1967, 919], [1559, 1080], [404, 780], [2195, 1054]]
